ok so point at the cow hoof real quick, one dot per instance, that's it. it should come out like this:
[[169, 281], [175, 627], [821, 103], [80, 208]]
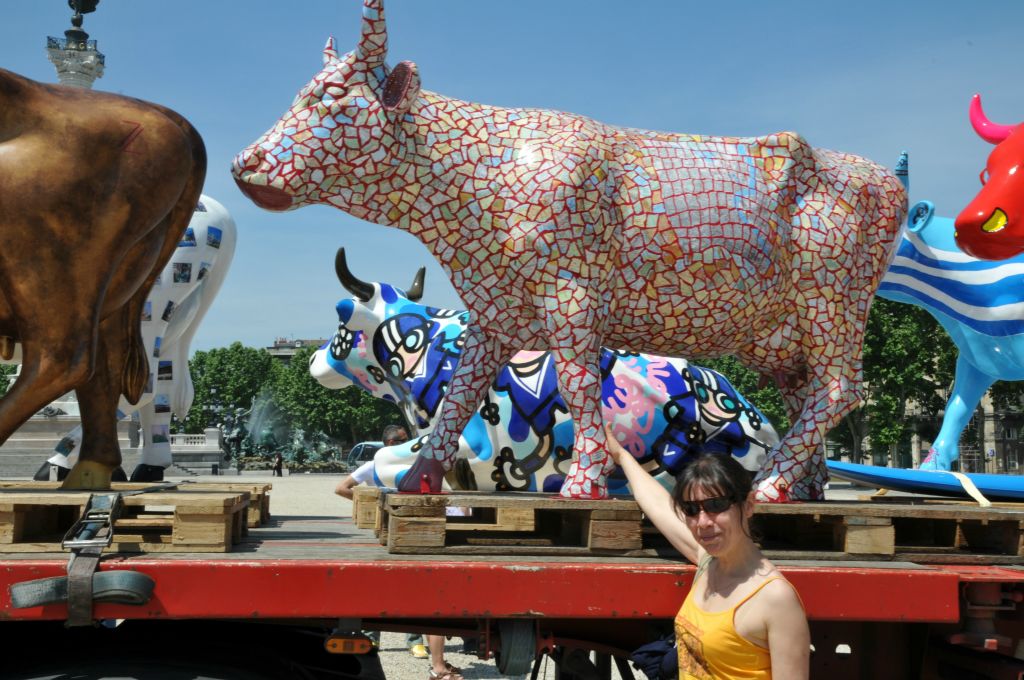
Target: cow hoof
[[43, 473], [148, 473], [425, 476], [583, 489], [88, 475]]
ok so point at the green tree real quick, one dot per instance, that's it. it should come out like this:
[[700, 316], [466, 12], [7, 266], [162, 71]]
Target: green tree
[[907, 357], [227, 378], [349, 413], [6, 371]]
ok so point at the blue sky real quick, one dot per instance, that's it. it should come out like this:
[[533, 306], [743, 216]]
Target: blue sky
[[872, 78]]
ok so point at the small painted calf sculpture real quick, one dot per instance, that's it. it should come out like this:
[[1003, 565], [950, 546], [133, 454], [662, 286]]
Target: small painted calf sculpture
[[97, 190], [979, 303], [562, 234], [521, 436], [991, 227], [171, 315]]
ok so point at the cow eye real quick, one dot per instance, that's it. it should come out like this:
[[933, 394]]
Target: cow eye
[[984, 177], [335, 91]]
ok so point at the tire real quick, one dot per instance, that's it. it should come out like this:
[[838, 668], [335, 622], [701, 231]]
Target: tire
[[518, 646]]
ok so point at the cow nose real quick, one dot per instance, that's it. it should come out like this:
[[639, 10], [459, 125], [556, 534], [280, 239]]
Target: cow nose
[[268, 198]]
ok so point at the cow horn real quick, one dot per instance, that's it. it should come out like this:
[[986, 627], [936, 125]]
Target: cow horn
[[361, 289], [993, 133], [330, 52], [373, 43], [415, 291]]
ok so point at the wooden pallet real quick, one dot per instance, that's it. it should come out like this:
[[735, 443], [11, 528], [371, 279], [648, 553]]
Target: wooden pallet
[[258, 512], [509, 524], [365, 500], [34, 519], [534, 524]]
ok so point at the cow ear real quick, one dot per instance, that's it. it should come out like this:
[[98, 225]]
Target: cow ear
[[401, 88]]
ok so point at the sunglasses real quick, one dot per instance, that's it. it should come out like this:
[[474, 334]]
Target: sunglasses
[[711, 506]]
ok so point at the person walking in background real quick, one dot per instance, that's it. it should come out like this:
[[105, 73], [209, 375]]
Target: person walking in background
[[741, 618], [278, 465]]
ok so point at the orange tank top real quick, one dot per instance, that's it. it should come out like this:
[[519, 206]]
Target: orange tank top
[[710, 648]]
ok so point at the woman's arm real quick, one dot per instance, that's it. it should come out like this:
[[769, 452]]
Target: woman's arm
[[789, 637], [654, 500]]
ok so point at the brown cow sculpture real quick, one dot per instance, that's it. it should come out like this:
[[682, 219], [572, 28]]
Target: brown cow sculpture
[[97, 191]]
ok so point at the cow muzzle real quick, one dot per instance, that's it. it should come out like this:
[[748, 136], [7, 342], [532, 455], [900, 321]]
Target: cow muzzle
[[266, 197], [987, 236]]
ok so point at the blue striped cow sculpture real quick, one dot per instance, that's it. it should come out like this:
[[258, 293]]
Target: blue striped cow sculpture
[[520, 437], [979, 303]]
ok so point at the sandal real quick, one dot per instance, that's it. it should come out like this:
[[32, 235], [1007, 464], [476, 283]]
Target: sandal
[[451, 674]]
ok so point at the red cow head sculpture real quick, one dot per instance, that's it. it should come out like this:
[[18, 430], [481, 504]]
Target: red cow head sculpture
[[991, 227]]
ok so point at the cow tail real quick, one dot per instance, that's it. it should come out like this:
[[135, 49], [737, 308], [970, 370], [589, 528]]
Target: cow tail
[[135, 372]]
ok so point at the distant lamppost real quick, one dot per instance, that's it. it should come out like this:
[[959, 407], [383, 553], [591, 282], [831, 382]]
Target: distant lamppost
[[77, 60], [213, 410]]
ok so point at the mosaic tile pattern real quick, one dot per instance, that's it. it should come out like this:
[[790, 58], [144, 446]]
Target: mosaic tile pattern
[[991, 227], [182, 293], [520, 438], [561, 233]]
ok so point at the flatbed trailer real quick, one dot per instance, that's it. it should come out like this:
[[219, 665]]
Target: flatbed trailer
[[286, 588]]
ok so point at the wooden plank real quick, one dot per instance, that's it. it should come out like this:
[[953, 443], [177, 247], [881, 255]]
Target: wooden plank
[[615, 535], [419, 532], [866, 535]]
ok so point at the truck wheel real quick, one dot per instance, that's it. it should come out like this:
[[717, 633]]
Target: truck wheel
[[518, 646]]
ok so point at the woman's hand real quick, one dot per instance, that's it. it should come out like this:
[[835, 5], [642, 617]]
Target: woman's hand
[[613, 446]]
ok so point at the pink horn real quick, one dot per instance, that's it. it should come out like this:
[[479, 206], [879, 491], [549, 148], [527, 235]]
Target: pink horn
[[993, 133]]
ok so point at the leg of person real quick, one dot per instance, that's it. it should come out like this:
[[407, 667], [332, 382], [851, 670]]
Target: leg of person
[[414, 643], [439, 669]]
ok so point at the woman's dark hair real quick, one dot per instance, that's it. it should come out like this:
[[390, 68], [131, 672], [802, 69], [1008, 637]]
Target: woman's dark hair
[[715, 472]]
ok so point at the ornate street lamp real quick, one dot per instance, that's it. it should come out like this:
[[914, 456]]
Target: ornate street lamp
[[75, 57]]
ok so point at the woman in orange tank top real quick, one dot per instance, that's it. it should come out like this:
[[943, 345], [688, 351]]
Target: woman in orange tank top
[[741, 619]]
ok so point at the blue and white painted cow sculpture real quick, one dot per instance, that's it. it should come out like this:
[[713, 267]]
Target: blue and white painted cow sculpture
[[520, 438], [980, 304], [171, 315]]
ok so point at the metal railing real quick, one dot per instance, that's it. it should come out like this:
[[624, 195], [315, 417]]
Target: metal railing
[[191, 440]]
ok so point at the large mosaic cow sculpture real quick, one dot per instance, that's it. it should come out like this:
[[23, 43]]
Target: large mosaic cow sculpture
[[991, 227], [176, 306], [97, 190], [520, 438], [979, 303], [561, 233]]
